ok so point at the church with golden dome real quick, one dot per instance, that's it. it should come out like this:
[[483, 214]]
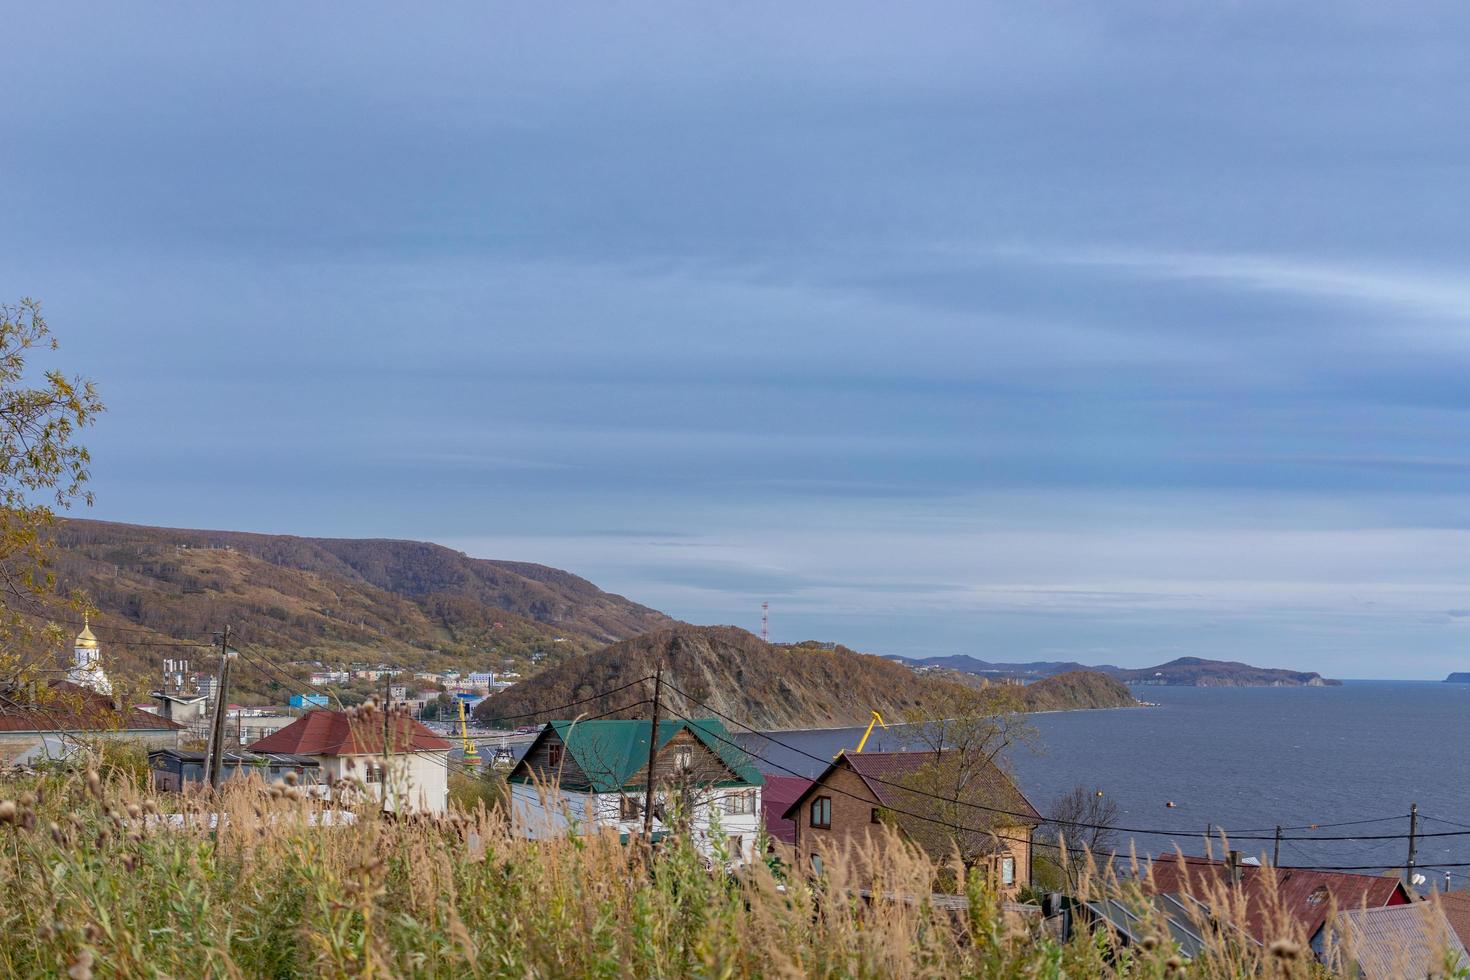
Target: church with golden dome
[[86, 662]]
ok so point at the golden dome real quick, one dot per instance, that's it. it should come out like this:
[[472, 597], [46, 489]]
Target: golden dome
[[85, 639]]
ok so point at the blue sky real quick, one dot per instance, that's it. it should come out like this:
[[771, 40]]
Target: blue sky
[[1111, 332]]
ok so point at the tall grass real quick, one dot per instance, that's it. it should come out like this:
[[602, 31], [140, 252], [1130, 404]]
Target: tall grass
[[96, 881]]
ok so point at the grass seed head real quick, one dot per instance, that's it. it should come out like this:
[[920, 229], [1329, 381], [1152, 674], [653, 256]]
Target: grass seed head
[[81, 967], [1285, 949], [7, 811]]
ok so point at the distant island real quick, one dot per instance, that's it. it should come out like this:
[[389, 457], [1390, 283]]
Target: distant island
[[1461, 677], [1182, 672]]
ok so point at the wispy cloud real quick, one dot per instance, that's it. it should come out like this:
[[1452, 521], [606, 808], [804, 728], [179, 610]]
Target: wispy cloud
[[1386, 286]]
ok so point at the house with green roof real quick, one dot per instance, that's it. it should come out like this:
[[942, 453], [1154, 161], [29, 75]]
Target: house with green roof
[[588, 776]]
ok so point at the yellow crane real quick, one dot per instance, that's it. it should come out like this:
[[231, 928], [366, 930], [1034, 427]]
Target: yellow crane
[[877, 719], [471, 754]]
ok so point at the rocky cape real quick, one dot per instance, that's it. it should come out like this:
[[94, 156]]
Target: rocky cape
[[726, 670]]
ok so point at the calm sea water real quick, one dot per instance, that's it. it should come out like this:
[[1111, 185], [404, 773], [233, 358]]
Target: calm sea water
[[1247, 759]]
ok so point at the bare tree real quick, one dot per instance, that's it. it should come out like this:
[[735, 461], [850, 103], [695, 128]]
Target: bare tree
[[1079, 825]]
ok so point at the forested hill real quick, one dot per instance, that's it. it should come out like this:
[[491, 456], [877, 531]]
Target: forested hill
[[329, 598], [764, 685]]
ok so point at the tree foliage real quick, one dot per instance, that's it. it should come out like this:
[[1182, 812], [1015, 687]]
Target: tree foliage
[[970, 731], [42, 469]]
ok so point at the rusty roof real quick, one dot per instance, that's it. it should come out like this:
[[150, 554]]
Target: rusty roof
[[69, 707], [1456, 908], [1307, 896], [325, 732]]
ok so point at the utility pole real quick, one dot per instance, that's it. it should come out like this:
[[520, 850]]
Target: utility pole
[[1413, 846], [1276, 849], [387, 729], [221, 708], [658, 684]]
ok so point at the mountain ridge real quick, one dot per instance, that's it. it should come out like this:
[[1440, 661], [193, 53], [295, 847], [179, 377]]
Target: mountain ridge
[[334, 599]]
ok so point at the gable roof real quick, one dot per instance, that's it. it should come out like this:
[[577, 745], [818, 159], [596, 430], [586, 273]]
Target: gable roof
[[1456, 907], [74, 708], [1307, 896], [1403, 941], [884, 774], [611, 752], [779, 793], [325, 732]]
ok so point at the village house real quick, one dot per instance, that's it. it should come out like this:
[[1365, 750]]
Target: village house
[[411, 776], [51, 720], [1309, 897], [851, 805], [581, 777]]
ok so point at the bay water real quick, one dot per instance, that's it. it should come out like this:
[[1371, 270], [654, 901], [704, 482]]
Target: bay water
[[1246, 760]]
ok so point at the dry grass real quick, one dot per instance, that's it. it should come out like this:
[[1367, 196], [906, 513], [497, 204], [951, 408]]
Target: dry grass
[[95, 881]]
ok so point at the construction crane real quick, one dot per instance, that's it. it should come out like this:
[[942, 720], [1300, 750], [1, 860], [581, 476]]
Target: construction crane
[[471, 754], [877, 719]]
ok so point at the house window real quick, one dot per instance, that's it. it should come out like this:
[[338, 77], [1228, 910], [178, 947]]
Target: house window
[[1007, 871], [683, 758], [373, 774], [553, 755], [816, 864], [628, 808], [740, 803], [821, 816]]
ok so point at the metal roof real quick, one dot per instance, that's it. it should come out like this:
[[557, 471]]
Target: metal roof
[[610, 752], [244, 758], [1401, 941]]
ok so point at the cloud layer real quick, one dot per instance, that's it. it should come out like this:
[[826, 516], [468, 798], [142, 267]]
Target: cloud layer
[[1108, 334]]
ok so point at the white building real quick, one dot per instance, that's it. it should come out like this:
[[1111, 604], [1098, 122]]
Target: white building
[[582, 777], [86, 662], [412, 776]]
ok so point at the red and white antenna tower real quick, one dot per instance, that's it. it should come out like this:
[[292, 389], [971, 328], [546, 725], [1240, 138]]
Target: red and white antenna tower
[[765, 622]]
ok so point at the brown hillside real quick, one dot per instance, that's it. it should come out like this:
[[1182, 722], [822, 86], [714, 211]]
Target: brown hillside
[[763, 685], [332, 599]]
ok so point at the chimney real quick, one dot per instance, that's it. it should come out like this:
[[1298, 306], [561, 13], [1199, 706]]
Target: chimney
[[1232, 867]]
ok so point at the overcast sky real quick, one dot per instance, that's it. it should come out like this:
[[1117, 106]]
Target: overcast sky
[[1112, 332]]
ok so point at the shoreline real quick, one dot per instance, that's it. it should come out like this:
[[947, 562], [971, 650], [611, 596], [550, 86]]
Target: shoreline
[[1052, 711]]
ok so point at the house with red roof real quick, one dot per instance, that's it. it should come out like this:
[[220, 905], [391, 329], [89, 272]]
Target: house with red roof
[[50, 721], [1310, 899], [363, 755], [780, 792], [848, 808]]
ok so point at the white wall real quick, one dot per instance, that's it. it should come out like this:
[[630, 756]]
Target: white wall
[[539, 812], [418, 782]]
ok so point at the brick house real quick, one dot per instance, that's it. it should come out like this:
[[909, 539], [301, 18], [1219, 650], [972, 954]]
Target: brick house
[[578, 777], [858, 796]]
